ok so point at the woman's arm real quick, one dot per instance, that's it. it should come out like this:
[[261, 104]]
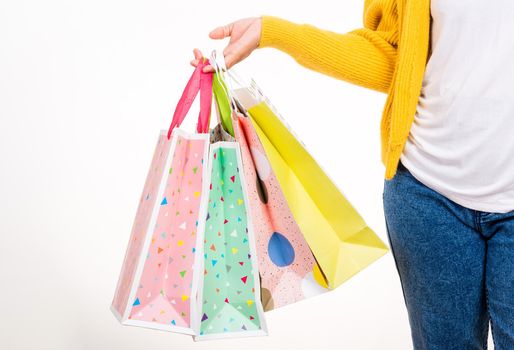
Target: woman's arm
[[364, 56]]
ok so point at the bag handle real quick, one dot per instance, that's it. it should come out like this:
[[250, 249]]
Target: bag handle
[[218, 63], [225, 82], [230, 76], [199, 81]]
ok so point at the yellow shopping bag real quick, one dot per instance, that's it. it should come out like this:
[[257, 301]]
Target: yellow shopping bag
[[339, 238]]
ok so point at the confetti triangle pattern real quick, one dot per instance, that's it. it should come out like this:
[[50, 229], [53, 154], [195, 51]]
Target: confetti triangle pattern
[[228, 301], [146, 204], [164, 293]]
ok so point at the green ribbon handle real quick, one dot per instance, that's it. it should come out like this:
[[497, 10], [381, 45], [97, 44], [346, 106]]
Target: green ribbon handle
[[219, 89]]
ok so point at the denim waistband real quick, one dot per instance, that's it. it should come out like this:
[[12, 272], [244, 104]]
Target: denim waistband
[[401, 167]]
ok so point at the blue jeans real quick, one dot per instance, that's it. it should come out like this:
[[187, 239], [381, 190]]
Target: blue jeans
[[456, 266]]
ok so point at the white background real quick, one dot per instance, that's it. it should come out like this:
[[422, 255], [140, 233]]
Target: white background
[[85, 86]]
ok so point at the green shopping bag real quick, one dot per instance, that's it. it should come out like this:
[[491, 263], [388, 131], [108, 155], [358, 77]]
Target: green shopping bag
[[229, 300]]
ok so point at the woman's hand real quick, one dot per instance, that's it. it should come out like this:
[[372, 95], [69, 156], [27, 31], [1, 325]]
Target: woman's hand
[[244, 34]]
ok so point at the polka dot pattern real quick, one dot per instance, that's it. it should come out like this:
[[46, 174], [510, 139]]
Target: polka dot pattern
[[284, 268]]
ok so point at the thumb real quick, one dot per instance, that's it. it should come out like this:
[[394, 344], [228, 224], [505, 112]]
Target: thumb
[[221, 32]]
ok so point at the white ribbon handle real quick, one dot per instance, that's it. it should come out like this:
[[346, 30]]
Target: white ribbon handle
[[217, 61], [229, 76]]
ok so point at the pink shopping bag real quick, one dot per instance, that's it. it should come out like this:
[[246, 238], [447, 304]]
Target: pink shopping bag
[[287, 267], [157, 283], [286, 263]]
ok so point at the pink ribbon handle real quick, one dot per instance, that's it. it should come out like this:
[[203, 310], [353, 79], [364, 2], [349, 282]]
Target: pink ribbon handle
[[205, 102], [199, 81]]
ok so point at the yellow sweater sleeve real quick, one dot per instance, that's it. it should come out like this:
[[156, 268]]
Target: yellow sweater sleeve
[[364, 56]]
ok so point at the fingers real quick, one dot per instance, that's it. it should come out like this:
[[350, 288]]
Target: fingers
[[197, 53], [233, 54], [198, 56], [222, 32], [208, 69]]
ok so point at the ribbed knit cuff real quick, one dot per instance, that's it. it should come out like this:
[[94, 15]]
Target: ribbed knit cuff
[[276, 31]]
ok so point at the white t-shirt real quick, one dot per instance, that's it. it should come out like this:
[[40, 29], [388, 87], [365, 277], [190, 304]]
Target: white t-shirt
[[461, 143]]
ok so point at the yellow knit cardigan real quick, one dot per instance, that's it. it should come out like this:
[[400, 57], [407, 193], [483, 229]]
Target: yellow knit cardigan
[[388, 54]]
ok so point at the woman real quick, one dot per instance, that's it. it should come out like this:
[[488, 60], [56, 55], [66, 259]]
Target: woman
[[447, 145]]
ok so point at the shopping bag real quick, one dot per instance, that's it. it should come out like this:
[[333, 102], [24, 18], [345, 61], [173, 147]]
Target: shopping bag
[[289, 272], [157, 284], [287, 267], [229, 292], [339, 238]]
